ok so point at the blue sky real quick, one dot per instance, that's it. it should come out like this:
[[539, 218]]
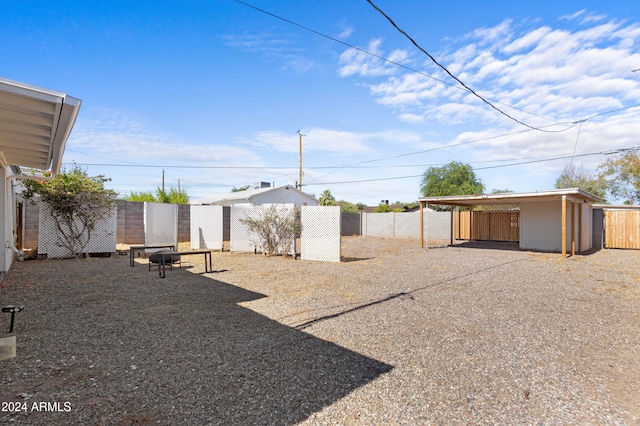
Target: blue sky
[[214, 92]]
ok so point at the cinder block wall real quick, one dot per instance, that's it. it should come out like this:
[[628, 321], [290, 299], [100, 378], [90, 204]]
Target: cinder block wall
[[31, 218], [130, 222], [184, 223], [350, 224]]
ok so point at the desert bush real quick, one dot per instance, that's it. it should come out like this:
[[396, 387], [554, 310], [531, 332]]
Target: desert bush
[[275, 228]]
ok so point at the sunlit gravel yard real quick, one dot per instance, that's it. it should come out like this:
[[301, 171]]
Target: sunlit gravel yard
[[392, 335]]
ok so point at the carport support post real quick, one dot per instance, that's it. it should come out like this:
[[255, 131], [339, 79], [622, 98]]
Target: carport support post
[[579, 227], [421, 224], [564, 226], [573, 228], [452, 229]]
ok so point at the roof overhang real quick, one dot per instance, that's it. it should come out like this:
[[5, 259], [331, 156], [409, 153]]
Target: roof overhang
[[35, 124], [574, 194]]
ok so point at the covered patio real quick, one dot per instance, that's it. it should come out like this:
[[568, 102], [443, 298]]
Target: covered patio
[[35, 124], [558, 220]]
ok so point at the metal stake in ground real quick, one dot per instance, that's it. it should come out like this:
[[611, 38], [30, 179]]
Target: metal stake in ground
[[12, 310]]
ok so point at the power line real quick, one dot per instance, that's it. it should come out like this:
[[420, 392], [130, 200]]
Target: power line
[[469, 89], [359, 49], [609, 152]]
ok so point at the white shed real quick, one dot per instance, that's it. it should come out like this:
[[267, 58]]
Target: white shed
[[286, 194]]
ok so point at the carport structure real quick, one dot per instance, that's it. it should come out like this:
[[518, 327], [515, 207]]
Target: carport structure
[[558, 220]]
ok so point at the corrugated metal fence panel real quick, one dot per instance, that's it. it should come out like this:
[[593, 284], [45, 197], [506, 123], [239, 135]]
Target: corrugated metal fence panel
[[206, 227], [320, 239], [103, 237], [160, 224], [622, 229], [488, 226]]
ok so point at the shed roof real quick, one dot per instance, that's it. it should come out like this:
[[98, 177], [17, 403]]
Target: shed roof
[[512, 197], [35, 124]]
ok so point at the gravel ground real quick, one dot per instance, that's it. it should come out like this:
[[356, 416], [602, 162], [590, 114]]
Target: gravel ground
[[392, 335]]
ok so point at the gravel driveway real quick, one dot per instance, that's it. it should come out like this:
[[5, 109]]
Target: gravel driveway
[[391, 335]]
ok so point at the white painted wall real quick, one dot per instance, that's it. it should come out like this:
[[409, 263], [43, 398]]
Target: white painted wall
[[541, 226], [586, 240], [6, 255]]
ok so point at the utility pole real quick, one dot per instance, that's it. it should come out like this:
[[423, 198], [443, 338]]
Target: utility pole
[[300, 181], [163, 181]]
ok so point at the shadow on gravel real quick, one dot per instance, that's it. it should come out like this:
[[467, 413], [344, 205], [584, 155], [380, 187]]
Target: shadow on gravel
[[128, 347], [506, 245], [353, 259], [403, 295]]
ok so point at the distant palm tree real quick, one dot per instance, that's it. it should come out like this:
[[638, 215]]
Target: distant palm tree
[[327, 199]]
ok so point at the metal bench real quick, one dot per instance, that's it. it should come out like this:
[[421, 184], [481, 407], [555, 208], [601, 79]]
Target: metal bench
[[166, 256]]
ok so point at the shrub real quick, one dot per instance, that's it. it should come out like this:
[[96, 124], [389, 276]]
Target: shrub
[[77, 203], [275, 228]]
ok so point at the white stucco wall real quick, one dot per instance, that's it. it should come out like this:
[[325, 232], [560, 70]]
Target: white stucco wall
[[541, 226], [7, 207]]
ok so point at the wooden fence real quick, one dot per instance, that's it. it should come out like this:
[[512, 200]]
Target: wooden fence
[[488, 225], [622, 229]]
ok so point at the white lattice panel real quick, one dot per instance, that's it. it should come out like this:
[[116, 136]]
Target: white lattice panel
[[320, 239], [206, 227], [240, 239], [103, 236], [160, 224]]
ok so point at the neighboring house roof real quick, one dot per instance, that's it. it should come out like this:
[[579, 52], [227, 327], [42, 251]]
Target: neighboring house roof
[[251, 196], [511, 197], [35, 124]]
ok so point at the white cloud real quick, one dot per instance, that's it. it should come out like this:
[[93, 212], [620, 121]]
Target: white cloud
[[357, 62], [345, 33], [411, 118], [313, 140], [557, 73], [115, 135]]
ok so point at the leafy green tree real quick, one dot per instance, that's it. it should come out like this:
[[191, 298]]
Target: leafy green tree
[[327, 199], [242, 188], [347, 207], [383, 208], [573, 177], [174, 196], [452, 179], [501, 191], [142, 197], [622, 176], [77, 202]]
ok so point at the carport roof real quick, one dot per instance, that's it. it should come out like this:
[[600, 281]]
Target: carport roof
[[35, 124], [512, 197]]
